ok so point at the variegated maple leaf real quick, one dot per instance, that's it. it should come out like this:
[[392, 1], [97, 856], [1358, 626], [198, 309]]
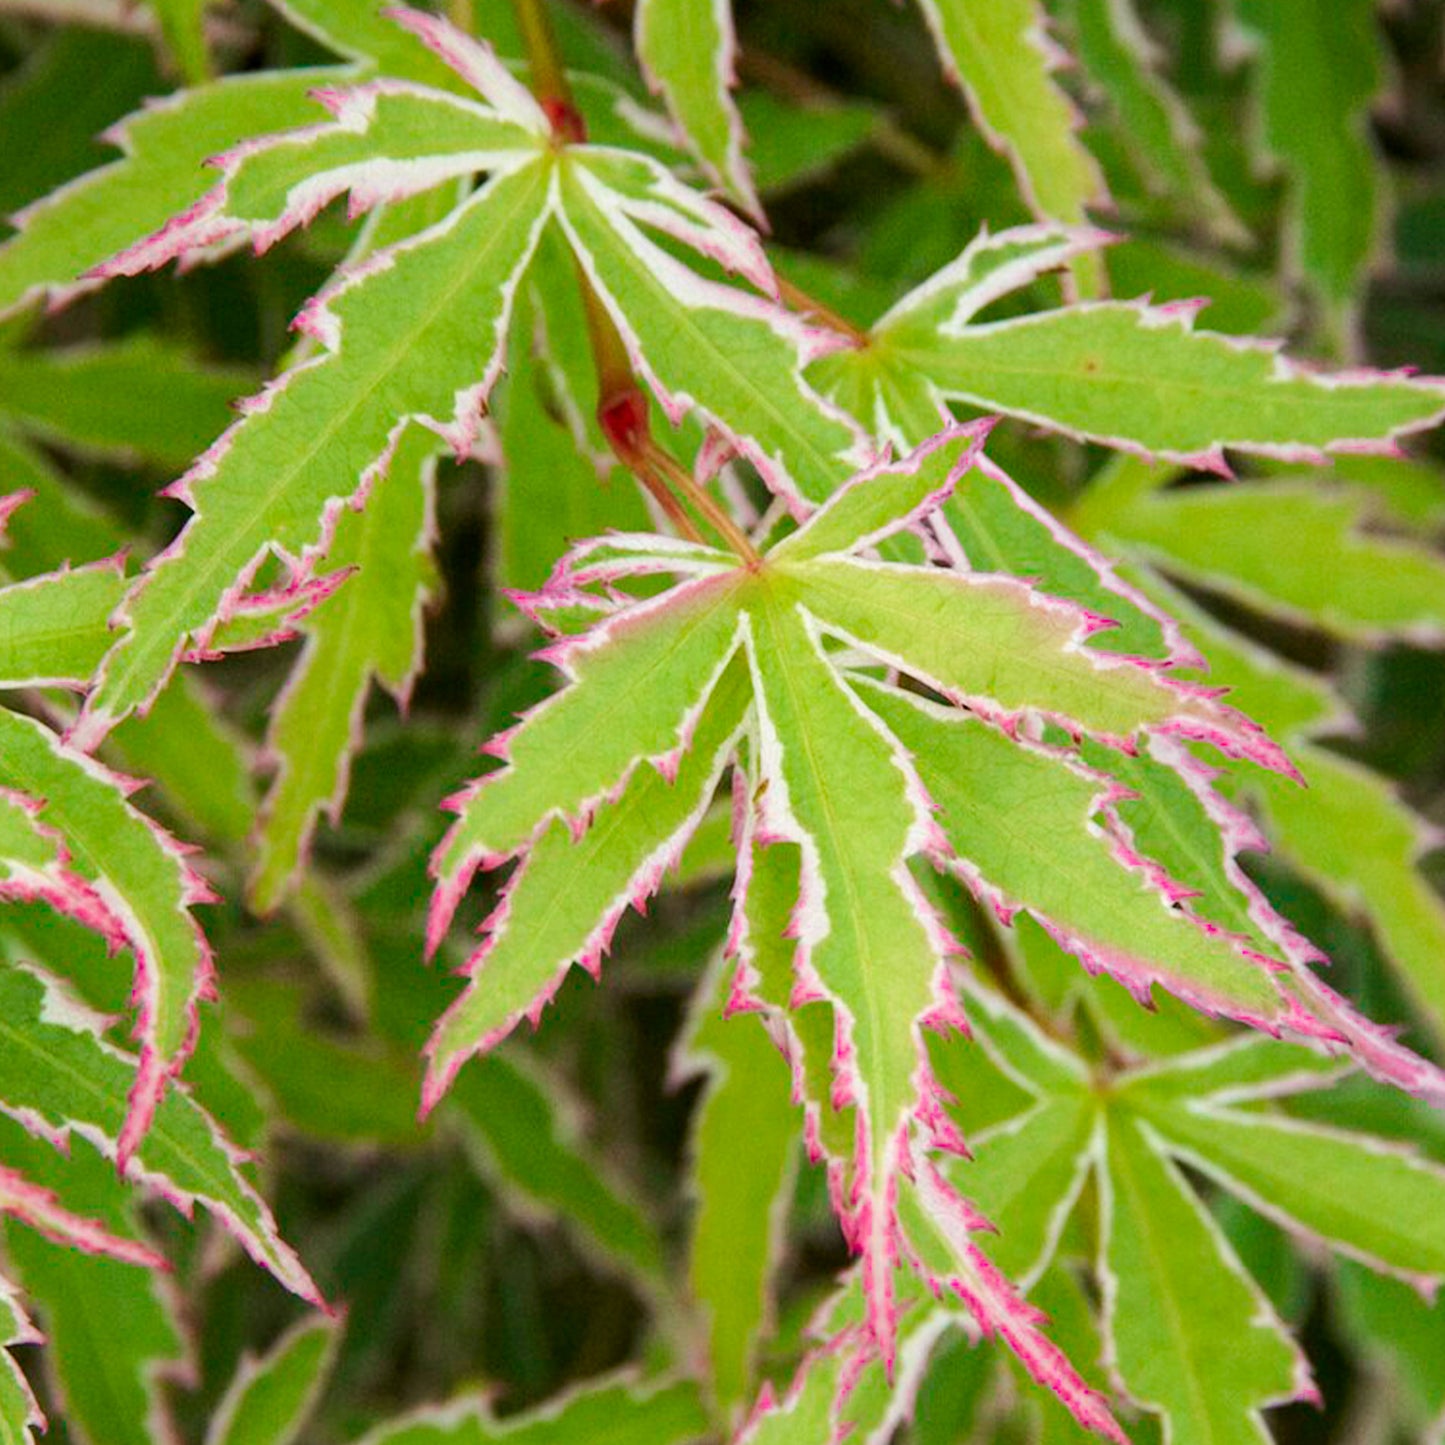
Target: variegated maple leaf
[[787, 668], [416, 333]]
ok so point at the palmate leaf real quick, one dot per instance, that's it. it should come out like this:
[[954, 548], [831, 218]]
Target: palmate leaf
[[1190, 1334], [422, 324], [849, 774], [323, 434], [1122, 373]]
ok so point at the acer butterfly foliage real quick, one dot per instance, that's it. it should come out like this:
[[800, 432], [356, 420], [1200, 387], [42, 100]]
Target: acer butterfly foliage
[[949, 777]]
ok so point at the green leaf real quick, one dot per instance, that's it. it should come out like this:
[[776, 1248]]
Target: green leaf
[[52, 627], [807, 1412], [1001, 54], [1242, 1068], [20, 1414], [111, 1328], [1138, 377], [687, 50], [1349, 831], [141, 890], [835, 796], [370, 630], [989, 522], [1023, 658], [1261, 544], [1192, 1336], [1389, 1321], [1026, 1173], [939, 1230], [270, 1399], [199, 763], [866, 940], [1318, 73], [993, 265], [1359, 840], [183, 25], [635, 697], [387, 142], [159, 174], [763, 944], [1385, 1205], [56, 526], [743, 1164], [320, 1083], [414, 322], [359, 30], [58, 1076], [1020, 825], [72, 83], [1241, 301], [603, 1413], [792, 145]]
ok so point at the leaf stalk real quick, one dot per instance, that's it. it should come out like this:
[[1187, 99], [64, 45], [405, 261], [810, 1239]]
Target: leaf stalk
[[549, 78], [796, 299], [621, 403]]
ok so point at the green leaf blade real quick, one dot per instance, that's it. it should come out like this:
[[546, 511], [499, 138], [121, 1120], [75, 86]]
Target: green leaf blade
[[57, 1075], [269, 1399], [566, 897], [636, 682], [62, 237], [411, 323], [743, 1153], [1141, 378], [687, 48], [1193, 1337], [144, 885], [1001, 54], [369, 631]]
